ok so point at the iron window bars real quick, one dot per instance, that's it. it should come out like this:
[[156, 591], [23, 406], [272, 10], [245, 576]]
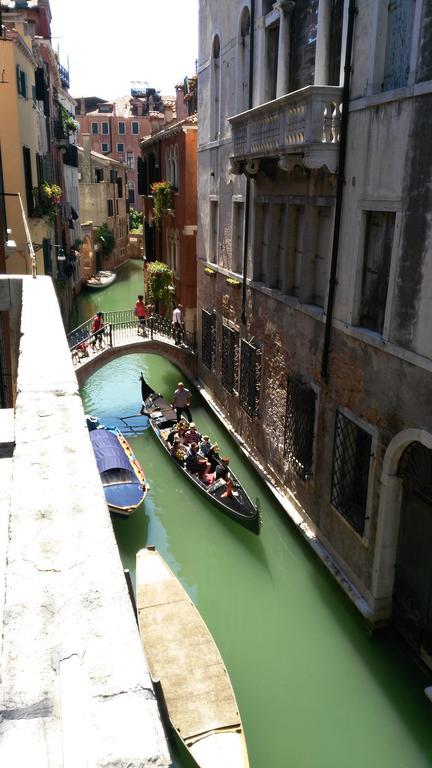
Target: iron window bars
[[299, 426], [208, 338], [230, 358], [351, 460], [250, 378]]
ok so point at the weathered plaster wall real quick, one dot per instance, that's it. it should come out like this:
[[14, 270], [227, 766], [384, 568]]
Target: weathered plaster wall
[[75, 688]]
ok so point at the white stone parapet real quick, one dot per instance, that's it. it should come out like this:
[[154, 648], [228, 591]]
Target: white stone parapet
[[302, 122], [75, 689]]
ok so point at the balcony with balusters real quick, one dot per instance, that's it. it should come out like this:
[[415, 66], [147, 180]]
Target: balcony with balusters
[[300, 128]]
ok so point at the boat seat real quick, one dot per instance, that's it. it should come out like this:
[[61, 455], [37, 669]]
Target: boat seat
[[216, 485]]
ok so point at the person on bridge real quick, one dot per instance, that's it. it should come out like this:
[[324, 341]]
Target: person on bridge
[[181, 401], [141, 313], [98, 330], [177, 324]]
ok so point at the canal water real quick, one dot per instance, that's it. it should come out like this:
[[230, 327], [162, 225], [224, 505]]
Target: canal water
[[315, 689]]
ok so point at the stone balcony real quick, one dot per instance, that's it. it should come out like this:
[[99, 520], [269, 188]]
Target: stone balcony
[[300, 128]]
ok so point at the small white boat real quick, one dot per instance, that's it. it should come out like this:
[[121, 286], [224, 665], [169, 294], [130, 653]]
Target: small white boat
[[191, 680], [101, 279]]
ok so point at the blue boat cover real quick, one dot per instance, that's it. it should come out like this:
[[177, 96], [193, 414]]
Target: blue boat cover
[[108, 451]]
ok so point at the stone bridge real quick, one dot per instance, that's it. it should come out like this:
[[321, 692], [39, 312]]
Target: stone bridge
[[123, 337]]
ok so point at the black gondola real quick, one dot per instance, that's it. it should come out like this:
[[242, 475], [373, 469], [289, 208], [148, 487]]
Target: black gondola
[[238, 505]]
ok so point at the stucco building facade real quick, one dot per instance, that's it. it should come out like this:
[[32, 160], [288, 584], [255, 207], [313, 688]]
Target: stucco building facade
[[314, 268], [102, 191]]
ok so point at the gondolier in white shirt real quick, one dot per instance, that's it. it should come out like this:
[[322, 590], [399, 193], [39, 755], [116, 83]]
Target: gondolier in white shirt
[[181, 401]]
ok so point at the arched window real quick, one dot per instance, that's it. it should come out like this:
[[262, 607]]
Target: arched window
[[243, 61], [215, 90]]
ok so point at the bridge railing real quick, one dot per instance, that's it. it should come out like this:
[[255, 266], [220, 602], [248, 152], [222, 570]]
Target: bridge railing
[[122, 327]]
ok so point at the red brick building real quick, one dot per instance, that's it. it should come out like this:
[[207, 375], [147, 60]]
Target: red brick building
[[116, 127], [171, 155]]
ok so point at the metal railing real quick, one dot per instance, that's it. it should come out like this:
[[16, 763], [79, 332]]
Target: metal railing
[[121, 328]]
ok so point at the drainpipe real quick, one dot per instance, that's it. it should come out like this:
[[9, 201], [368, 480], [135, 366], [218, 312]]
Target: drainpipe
[[339, 190], [248, 182]]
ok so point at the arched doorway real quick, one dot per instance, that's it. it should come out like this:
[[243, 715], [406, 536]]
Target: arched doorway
[[412, 593]]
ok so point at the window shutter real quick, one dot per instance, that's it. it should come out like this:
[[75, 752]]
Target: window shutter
[[18, 77], [40, 84]]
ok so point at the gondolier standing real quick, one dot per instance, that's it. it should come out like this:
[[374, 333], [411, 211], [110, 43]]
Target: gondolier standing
[[181, 401]]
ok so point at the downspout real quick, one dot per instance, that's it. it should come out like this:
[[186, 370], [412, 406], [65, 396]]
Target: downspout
[[248, 181], [340, 183]]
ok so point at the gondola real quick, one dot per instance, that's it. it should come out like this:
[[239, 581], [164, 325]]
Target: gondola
[[238, 505], [189, 675], [122, 475]]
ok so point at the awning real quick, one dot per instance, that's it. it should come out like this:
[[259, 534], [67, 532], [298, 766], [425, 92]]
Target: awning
[[108, 451]]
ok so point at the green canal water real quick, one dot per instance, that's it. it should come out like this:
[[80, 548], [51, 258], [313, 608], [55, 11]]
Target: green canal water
[[315, 689]]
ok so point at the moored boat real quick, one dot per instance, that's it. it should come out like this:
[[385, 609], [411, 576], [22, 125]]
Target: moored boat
[[235, 504], [122, 475], [193, 684], [101, 279]]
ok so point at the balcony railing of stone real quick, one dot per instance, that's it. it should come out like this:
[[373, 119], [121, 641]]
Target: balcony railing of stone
[[307, 120]]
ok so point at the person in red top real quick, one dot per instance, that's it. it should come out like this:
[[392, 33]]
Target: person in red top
[[97, 329], [141, 314]]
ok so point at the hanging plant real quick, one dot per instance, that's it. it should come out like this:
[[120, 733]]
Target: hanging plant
[[162, 199], [47, 197], [159, 284], [210, 271], [106, 239], [70, 125], [233, 281]]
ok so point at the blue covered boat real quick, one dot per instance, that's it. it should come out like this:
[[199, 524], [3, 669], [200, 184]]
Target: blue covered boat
[[122, 475]]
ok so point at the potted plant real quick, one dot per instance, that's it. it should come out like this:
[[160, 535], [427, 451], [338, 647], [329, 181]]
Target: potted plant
[[162, 199], [47, 197], [233, 281], [209, 271]]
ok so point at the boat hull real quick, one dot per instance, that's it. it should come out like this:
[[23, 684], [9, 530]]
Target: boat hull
[[100, 280], [192, 680]]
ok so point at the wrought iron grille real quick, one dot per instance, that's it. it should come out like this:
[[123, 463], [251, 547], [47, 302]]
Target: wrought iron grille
[[250, 378], [351, 460], [415, 469], [299, 426], [230, 358], [208, 338]]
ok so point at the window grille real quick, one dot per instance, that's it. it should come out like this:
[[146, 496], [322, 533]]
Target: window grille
[[299, 427], [208, 338], [230, 358], [351, 460], [250, 378]]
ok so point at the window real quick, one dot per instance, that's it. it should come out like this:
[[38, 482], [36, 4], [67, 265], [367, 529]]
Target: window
[[121, 129], [130, 161], [243, 62], [294, 250], [21, 82], [99, 175], [28, 180], [214, 220], [112, 176], [120, 147], [271, 61], [400, 23], [262, 233], [237, 235], [250, 378], [105, 128], [376, 268], [110, 204], [119, 187], [351, 461], [135, 128], [305, 23], [95, 128], [104, 148], [131, 193], [215, 90], [300, 426], [208, 338], [230, 358]]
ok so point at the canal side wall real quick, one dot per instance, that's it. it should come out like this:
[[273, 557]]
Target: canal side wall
[[75, 688]]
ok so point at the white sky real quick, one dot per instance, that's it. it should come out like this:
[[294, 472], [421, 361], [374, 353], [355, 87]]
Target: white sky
[[109, 44]]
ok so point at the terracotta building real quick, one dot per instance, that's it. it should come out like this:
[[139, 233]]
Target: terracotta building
[[116, 127], [171, 155], [315, 273], [103, 191]]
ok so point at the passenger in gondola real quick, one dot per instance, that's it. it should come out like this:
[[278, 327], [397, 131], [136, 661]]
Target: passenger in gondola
[[204, 446], [178, 450], [195, 463], [221, 472], [192, 436], [213, 456]]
